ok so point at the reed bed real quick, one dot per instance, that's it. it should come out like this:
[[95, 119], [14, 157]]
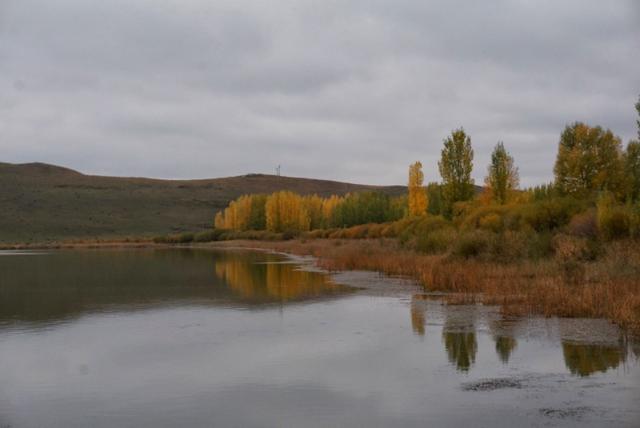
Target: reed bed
[[608, 287]]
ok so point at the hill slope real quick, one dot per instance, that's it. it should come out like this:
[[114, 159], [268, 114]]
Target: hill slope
[[41, 202]]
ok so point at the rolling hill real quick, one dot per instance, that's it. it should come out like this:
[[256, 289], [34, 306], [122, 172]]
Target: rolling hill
[[41, 202]]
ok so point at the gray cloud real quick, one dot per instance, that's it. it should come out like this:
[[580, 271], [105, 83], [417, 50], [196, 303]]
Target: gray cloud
[[352, 90]]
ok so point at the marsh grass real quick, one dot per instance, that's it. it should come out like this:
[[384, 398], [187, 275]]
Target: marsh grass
[[608, 287]]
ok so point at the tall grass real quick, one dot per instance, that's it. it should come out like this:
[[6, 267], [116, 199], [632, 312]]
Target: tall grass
[[608, 287]]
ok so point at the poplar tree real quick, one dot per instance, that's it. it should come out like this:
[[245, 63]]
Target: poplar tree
[[632, 164], [417, 193], [502, 178], [456, 164]]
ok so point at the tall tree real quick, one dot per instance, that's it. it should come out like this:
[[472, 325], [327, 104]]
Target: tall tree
[[434, 198], [502, 178], [632, 170], [589, 159], [456, 164], [632, 163], [638, 120], [417, 194]]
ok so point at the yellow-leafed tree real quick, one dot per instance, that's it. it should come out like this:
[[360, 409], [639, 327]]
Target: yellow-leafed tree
[[285, 211], [328, 208], [417, 193], [313, 207], [219, 220]]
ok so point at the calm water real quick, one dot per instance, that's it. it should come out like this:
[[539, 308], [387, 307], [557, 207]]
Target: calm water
[[196, 338]]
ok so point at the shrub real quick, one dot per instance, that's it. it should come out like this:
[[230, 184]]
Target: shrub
[[550, 214], [539, 245], [357, 232], [617, 224], [634, 229], [375, 231], [492, 222], [208, 236], [614, 221], [435, 242], [508, 246], [486, 217], [472, 244], [584, 224], [570, 253]]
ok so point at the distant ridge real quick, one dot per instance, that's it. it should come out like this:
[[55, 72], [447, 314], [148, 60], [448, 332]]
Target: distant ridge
[[41, 202]]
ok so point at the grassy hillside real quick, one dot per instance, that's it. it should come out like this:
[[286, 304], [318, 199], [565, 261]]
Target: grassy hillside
[[40, 202]]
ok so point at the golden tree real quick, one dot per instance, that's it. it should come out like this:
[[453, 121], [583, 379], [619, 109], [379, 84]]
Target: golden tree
[[417, 193], [218, 223], [285, 211], [313, 206], [329, 206]]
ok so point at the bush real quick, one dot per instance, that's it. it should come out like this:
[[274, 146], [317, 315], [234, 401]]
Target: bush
[[539, 245], [486, 217], [181, 238], [614, 221], [584, 224], [492, 222], [288, 235], [616, 224], [472, 244], [208, 236], [436, 242], [509, 246], [550, 214], [634, 230]]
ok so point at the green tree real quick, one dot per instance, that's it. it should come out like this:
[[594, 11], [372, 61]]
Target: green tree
[[502, 178], [434, 197], [632, 164], [632, 170], [589, 159], [638, 120], [456, 164]]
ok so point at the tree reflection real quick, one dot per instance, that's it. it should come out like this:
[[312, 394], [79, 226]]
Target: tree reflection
[[461, 349], [503, 335], [459, 337], [417, 315], [272, 282], [584, 360], [505, 345]]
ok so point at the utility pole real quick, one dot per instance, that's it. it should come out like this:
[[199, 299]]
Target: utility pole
[[278, 170]]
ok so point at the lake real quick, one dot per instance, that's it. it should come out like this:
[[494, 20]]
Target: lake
[[235, 338]]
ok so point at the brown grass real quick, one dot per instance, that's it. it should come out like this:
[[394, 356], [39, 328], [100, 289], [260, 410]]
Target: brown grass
[[562, 286]]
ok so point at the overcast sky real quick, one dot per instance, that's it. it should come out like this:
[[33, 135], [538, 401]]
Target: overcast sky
[[347, 90]]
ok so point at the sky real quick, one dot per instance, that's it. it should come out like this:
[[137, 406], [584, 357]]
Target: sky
[[348, 90]]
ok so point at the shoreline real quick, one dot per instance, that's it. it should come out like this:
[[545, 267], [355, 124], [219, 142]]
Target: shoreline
[[520, 288]]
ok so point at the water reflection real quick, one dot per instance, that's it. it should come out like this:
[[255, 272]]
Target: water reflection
[[505, 345], [504, 337], [585, 359], [459, 337], [42, 289], [460, 340], [272, 282], [417, 315], [461, 349], [66, 284]]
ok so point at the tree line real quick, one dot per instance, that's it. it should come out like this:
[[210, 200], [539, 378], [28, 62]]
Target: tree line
[[286, 211], [590, 161]]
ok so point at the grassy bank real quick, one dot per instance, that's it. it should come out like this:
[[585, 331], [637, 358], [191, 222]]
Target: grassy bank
[[608, 287]]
